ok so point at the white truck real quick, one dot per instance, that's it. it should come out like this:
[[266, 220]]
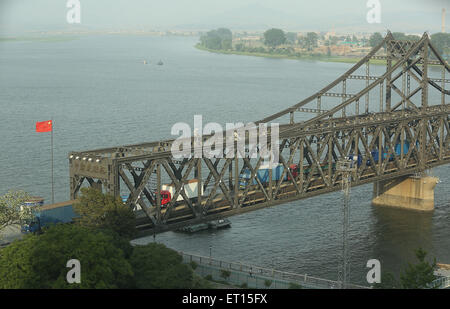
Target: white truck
[[190, 188]]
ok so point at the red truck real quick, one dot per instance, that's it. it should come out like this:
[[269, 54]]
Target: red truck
[[190, 188]]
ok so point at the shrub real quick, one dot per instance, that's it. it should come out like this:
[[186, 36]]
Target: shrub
[[40, 261], [158, 267], [105, 212], [225, 273], [293, 285]]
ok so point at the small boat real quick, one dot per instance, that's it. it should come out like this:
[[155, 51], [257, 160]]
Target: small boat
[[160, 62], [215, 224], [194, 228], [221, 223]]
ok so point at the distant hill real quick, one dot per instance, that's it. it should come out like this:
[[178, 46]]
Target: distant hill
[[252, 17], [257, 17]]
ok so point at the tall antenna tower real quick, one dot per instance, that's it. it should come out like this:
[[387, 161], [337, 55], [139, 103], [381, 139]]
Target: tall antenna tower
[[345, 167], [443, 20]]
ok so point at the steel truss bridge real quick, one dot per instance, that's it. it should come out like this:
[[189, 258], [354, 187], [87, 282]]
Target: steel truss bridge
[[357, 113]]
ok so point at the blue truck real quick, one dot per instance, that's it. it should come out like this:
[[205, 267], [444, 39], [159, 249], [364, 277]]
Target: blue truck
[[262, 173], [46, 215], [32, 225], [397, 151], [356, 159], [385, 156]]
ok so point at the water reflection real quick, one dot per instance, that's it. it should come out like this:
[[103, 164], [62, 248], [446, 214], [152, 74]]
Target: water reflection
[[398, 233]]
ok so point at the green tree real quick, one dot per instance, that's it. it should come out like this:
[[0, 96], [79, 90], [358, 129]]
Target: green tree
[[274, 37], [441, 41], [334, 40], [387, 282], [217, 39], [226, 38], [375, 39], [399, 35], [12, 210], [420, 275], [39, 261], [226, 44], [311, 40], [201, 283], [158, 267], [211, 40], [293, 285], [103, 211], [291, 37], [239, 47], [364, 41]]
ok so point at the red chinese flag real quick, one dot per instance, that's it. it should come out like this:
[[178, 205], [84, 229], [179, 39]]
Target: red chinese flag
[[44, 126]]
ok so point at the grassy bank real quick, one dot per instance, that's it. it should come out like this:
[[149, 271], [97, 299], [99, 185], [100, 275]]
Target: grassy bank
[[303, 57], [45, 39]]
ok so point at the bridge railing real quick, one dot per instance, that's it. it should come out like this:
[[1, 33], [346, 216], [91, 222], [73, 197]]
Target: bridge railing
[[256, 272]]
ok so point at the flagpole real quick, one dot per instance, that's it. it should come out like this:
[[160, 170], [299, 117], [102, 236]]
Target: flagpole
[[53, 192]]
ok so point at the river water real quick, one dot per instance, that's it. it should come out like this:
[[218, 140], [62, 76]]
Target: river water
[[99, 93]]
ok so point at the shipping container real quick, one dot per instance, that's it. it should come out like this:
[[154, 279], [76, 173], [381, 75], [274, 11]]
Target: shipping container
[[262, 174], [190, 188]]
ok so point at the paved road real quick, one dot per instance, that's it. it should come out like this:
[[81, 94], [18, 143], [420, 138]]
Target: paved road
[[9, 234]]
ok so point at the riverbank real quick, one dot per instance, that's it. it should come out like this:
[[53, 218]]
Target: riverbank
[[37, 38], [279, 56]]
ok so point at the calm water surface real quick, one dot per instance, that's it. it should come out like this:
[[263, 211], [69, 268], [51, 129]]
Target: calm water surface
[[99, 93]]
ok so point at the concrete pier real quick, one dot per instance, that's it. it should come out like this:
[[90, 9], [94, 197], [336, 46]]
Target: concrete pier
[[409, 192]]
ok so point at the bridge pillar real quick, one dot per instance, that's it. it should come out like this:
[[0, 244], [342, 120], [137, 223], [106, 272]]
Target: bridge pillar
[[409, 192]]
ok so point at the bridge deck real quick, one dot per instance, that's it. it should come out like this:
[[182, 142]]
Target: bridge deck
[[181, 215]]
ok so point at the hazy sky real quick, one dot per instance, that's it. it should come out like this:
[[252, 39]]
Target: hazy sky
[[400, 15]]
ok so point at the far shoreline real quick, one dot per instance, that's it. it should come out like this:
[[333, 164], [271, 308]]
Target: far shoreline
[[336, 59]]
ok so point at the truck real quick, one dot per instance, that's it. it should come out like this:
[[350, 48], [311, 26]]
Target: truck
[[356, 159], [190, 188], [295, 169], [32, 224], [397, 152], [46, 215], [262, 173], [376, 155]]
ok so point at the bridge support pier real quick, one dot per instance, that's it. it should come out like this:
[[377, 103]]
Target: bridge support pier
[[408, 192]]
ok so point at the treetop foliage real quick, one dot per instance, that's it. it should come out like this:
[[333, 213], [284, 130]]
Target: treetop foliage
[[442, 42], [217, 39], [274, 37], [107, 262], [39, 261], [104, 211], [414, 276], [375, 39], [12, 210], [161, 264], [310, 41], [420, 275]]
